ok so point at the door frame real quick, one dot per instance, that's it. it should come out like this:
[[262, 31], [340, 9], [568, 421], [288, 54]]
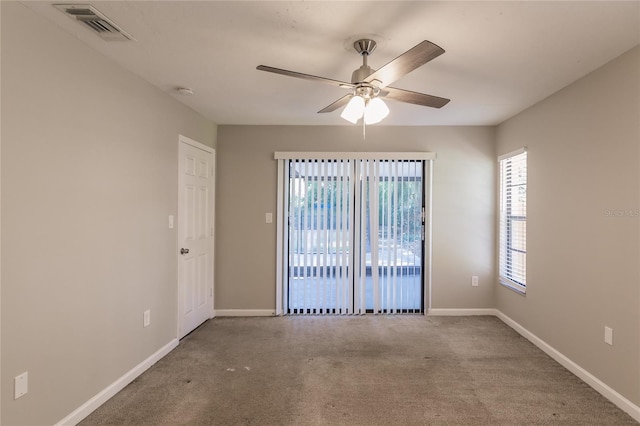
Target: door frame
[[212, 152]]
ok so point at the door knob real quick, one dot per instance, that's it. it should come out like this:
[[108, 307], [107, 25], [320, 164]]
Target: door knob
[[184, 251]]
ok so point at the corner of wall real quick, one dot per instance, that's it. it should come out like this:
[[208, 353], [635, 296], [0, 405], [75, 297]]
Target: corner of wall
[[1, 378]]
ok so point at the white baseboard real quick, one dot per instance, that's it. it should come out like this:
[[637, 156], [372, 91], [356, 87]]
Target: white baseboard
[[91, 405], [623, 403], [461, 312], [245, 312]]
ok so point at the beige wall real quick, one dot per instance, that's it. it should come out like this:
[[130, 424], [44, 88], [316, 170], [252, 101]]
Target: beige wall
[[89, 177], [463, 205], [582, 265]]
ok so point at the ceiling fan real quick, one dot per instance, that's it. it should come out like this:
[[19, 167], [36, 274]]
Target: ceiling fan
[[368, 86]]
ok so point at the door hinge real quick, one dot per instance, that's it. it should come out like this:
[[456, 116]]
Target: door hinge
[[423, 215]]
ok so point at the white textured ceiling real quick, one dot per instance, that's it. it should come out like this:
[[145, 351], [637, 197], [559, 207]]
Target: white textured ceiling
[[501, 57]]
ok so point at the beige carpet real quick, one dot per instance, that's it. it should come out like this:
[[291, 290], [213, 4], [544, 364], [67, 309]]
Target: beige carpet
[[368, 370]]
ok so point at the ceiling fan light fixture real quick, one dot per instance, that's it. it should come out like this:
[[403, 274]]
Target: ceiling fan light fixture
[[375, 111], [354, 109]]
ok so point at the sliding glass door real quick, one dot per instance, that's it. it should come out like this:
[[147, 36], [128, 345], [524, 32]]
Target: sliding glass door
[[352, 238]]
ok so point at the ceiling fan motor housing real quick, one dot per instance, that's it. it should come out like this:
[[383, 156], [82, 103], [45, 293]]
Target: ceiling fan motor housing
[[361, 73]]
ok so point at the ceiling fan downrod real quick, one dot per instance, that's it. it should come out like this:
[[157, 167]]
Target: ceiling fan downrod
[[364, 47]]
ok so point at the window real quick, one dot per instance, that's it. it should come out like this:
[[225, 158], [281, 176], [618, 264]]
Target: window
[[513, 220]]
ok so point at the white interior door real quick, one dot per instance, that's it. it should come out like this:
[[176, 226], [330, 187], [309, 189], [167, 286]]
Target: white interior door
[[195, 234]]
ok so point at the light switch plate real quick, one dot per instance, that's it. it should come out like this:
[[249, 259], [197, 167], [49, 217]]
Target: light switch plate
[[170, 221], [146, 318], [268, 218], [608, 335], [21, 385]]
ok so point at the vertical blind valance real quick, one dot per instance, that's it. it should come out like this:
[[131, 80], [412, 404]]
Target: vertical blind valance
[[301, 155]]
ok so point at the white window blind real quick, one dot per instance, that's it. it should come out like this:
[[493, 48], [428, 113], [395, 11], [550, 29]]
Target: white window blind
[[513, 220]]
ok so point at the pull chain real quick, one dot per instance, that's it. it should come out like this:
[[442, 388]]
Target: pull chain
[[364, 123], [364, 133]]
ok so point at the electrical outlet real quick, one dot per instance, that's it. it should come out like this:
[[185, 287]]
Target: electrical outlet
[[20, 385], [608, 335], [146, 318], [474, 281]]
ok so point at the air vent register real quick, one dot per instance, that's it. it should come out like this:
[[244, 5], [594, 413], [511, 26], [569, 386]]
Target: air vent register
[[96, 21]]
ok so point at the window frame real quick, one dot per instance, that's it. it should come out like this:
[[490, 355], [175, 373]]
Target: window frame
[[505, 228]]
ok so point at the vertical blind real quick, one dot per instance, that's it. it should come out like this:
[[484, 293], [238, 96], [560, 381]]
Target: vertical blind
[[513, 220], [347, 243], [319, 236], [393, 231]]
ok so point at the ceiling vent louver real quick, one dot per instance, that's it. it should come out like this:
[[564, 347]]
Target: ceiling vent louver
[[96, 21]]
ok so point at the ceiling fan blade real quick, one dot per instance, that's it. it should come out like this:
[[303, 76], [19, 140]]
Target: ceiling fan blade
[[405, 63], [416, 98], [337, 104], [305, 76]]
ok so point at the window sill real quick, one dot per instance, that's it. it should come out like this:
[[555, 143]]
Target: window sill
[[513, 287]]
